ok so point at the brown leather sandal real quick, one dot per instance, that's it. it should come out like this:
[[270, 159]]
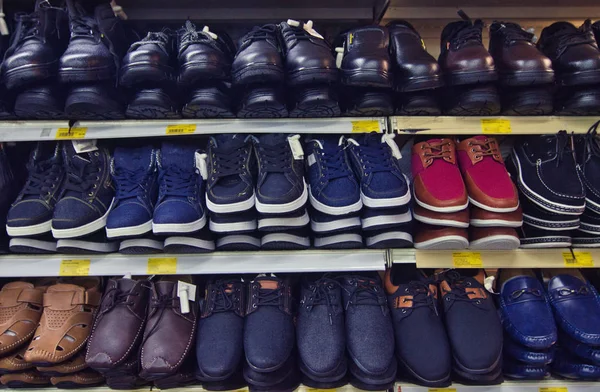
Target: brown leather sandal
[[71, 365], [20, 312], [14, 362], [66, 322], [27, 379], [84, 378]]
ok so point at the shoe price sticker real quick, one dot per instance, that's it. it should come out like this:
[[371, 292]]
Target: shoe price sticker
[[553, 389], [578, 259], [161, 266], [320, 390], [441, 390], [74, 267], [70, 133], [365, 126], [181, 129], [467, 260], [494, 126]]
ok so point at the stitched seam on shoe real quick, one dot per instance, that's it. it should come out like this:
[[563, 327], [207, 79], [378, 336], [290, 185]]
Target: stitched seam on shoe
[[512, 326], [185, 352], [541, 201], [128, 350], [27, 337], [553, 192]]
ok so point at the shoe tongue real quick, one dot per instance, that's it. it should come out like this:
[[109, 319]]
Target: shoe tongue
[[126, 285], [133, 158], [17, 285], [267, 283], [565, 281], [272, 139], [566, 26], [164, 288], [178, 155], [372, 140], [44, 151], [229, 141]]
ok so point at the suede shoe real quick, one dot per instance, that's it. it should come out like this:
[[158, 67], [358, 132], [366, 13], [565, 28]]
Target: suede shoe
[[269, 327], [258, 59], [31, 213], [414, 68], [483, 218], [148, 60], [574, 53], [587, 151], [494, 238], [458, 219], [422, 346], [518, 62], [539, 218]]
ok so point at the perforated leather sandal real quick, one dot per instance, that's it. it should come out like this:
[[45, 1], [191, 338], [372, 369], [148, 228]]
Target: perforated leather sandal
[[27, 379], [72, 365], [83, 379], [20, 312], [66, 322], [14, 362]]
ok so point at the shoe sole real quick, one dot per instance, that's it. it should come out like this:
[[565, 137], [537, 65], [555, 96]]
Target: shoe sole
[[384, 221], [493, 209], [366, 78], [471, 77], [238, 242], [585, 242], [265, 208], [419, 83], [283, 241], [239, 206], [31, 246], [86, 229], [411, 375], [138, 246], [339, 241], [83, 75], [335, 225], [258, 73], [39, 106], [270, 224], [579, 78], [129, 231], [496, 242], [551, 225], [448, 242], [144, 72], [192, 73], [481, 104], [332, 376], [71, 246], [330, 210], [372, 104], [592, 205], [528, 104], [589, 228], [206, 111], [263, 107], [386, 202], [493, 223], [24, 231], [391, 239], [546, 242], [180, 245], [29, 73], [232, 227], [586, 105], [442, 222], [526, 78], [179, 228], [312, 76], [153, 112], [87, 105], [388, 376]]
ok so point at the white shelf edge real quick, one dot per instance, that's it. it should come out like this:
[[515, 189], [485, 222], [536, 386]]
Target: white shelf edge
[[507, 386], [20, 131]]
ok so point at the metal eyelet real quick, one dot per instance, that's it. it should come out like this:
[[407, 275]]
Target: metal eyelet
[[254, 306], [404, 311], [429, 160], [448, 299], [91, 194], [472, 150], [468, 283], [95, 186], [97, 154], [478, 302]]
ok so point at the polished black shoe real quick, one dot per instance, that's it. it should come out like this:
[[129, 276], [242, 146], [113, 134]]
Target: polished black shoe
[[45, 102], [94, 102], [596, 30], [263, 102], [36, 45], [418, 103], [476, 100], [414, 68], [367, 102], [210, 101], [578, 101], [315, 101], [308, 57], [258, 59], [97, 45], [366, 60], [527, 101], [574, 53], [148, 60], [155, 103], [203, 55]]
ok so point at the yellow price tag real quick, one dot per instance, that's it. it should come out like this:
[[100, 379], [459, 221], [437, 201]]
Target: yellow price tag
[[181, 129], [74, 267], [71, 133], [320, 390], [441, 390], [245, 389], [578, 259], [162, 265], [467, 259], [365, 126], [495, 126], [553, 389]]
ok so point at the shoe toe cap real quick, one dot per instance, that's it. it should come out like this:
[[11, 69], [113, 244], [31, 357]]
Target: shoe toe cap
[[126, 215], [72, 212], [176, 211], [28, 212]]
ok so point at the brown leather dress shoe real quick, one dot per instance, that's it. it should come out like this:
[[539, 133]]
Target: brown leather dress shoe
[[28, 379]]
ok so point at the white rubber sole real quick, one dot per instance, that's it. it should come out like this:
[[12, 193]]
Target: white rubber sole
[[495, 223], [193, 242], [86, 229], [338, 224], [441, 222], [531, 221], [128, 231], [596, 205], [317, 205], [384, 203], [337, 239], [441, 209], [585, 245], [392, 235], [228, 208], [142, 243], [496, 242], [492, 209], [232, 226], [284, 222], [550, 244], [382, 220], [166, 228], [49, 246], [283, 237], [25, 231], [238, 239], [100, 247], [449, 242], [286, 207]]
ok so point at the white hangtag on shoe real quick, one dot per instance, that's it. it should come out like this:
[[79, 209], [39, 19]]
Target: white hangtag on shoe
[[308, 27], [339, 56], [201, 165], [389, 139], [210, 33], [186, 293], [82, 146], [296, 147]]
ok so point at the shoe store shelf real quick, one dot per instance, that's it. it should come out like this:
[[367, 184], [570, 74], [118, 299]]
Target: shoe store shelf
[[509, 386], [520, 258], [499, 125], [208, 263], [18, 131]]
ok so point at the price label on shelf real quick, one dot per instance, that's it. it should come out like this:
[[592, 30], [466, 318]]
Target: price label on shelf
[[494, 126], [578, 259], [320, 390], [554, 389], [181, 129], [162, 266], [74, 267], [365, 126], [467, 260], [70, 133], [441, 390], [245, 389]]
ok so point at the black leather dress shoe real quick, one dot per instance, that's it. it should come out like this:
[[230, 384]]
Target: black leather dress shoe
[[366, 61], [315, 101], [209, 101], [596, 30], [527, 101], [477, 100], [578, 101], [574, 53], [154, 103], [203, 55], [418, 103], [308, 57], [263, 102], [148, 61], [258, 59], [99, 101], [44, 102], [414, 68], [368, 102]]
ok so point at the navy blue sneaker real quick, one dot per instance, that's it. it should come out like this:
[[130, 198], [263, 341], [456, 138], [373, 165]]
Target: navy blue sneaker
[[385, 218], [375, 160], [568, 366], [182, 173], [282, 222], [422, 347], [291, 239], [350, 239], [231, 164], [239, 222], [536, 216], [546, 172], [87, 194], [532, 237], [220, 331], [199, 242], [322, 223], [587, 151], [280, 187], [333, 187], [238, 242], [516, 352], [135, 175], [31, 213]]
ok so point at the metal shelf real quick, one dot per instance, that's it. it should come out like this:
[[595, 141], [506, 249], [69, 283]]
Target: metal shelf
[[498, 125], [510, 386], [18, 131]]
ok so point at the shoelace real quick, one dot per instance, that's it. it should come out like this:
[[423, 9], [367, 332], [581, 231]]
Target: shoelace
[[223, 299], [367, 292], [513, 33], [175, 181], [300, 33], [269, 297], [42, 176], [564, 144], [260, 33], [323, 294], [161, 303], [469, 34], [119, 298], [436, 151], [422, 296], [81, 174], [486, 147], [592, 144], [583, 35], [189, 34], [376, 156], [159, 38], [130, 183], [274, 157], [458, 285], [229, 161], [335, 164], [81, 24]]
